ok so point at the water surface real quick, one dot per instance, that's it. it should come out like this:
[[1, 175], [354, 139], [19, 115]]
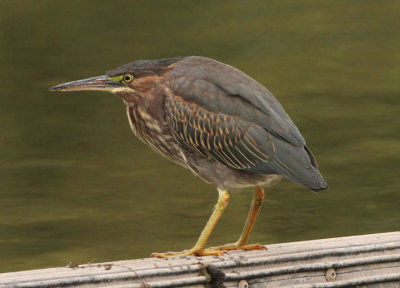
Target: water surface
[[76, 185]]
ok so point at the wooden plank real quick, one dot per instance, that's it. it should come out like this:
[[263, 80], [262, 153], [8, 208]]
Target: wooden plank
[[357, 261]]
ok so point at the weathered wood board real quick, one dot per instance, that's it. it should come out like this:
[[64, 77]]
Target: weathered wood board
[[356, 261]]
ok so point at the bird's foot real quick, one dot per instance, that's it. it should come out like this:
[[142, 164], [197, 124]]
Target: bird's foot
[[212, 251], [190, 252], [238, 246]]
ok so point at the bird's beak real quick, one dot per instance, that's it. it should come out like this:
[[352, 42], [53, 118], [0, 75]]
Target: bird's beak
[[102, 83]]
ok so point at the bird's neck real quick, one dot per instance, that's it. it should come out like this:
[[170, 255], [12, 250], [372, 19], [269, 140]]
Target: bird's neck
[[153, 132]]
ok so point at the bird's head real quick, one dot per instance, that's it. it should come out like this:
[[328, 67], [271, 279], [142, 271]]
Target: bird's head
[[129, 80]]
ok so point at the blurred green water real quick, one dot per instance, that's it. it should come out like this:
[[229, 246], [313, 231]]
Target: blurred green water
[[77, 186]]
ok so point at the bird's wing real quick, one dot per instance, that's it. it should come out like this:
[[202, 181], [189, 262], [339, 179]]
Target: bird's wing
[[238, 143], [215, 136], [222, 114], [219, 87]]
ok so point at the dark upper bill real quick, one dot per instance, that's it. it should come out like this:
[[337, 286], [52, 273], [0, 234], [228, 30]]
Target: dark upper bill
[[94, 83]]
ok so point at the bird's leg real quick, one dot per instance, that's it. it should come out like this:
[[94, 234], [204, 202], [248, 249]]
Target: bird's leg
[[258, 197], [198, 248]]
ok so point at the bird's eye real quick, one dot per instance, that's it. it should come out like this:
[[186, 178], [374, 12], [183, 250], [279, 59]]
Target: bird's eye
[[127, 78]]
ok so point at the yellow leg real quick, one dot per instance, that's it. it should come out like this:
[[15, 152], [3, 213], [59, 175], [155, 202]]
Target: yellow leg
[[198, 249], [258, 197]]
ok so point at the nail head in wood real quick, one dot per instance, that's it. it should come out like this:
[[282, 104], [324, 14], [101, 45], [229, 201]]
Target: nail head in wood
[[330, 275], [243, 284]]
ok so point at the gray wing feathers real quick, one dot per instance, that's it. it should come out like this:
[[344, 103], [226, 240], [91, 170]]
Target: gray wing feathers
[[217, 79], [222, 114], [295, 162], [237, 143]]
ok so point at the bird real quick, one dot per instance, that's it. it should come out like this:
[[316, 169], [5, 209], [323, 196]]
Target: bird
[[218, 122]]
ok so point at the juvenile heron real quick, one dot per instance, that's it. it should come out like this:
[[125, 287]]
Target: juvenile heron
[[218, 122]]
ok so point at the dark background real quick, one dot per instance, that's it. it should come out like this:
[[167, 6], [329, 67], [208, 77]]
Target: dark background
[[76, 185]]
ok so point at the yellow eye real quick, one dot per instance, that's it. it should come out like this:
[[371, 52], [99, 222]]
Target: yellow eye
[[127, 78]]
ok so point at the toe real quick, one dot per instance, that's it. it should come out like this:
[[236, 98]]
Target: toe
[[191, 252], [253, 247], [210, 252], [237, 246]]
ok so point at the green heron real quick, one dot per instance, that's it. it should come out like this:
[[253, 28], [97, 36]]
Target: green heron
[[218, 122]]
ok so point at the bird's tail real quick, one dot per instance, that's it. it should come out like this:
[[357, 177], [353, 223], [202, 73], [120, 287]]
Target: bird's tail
[[298, 164]]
